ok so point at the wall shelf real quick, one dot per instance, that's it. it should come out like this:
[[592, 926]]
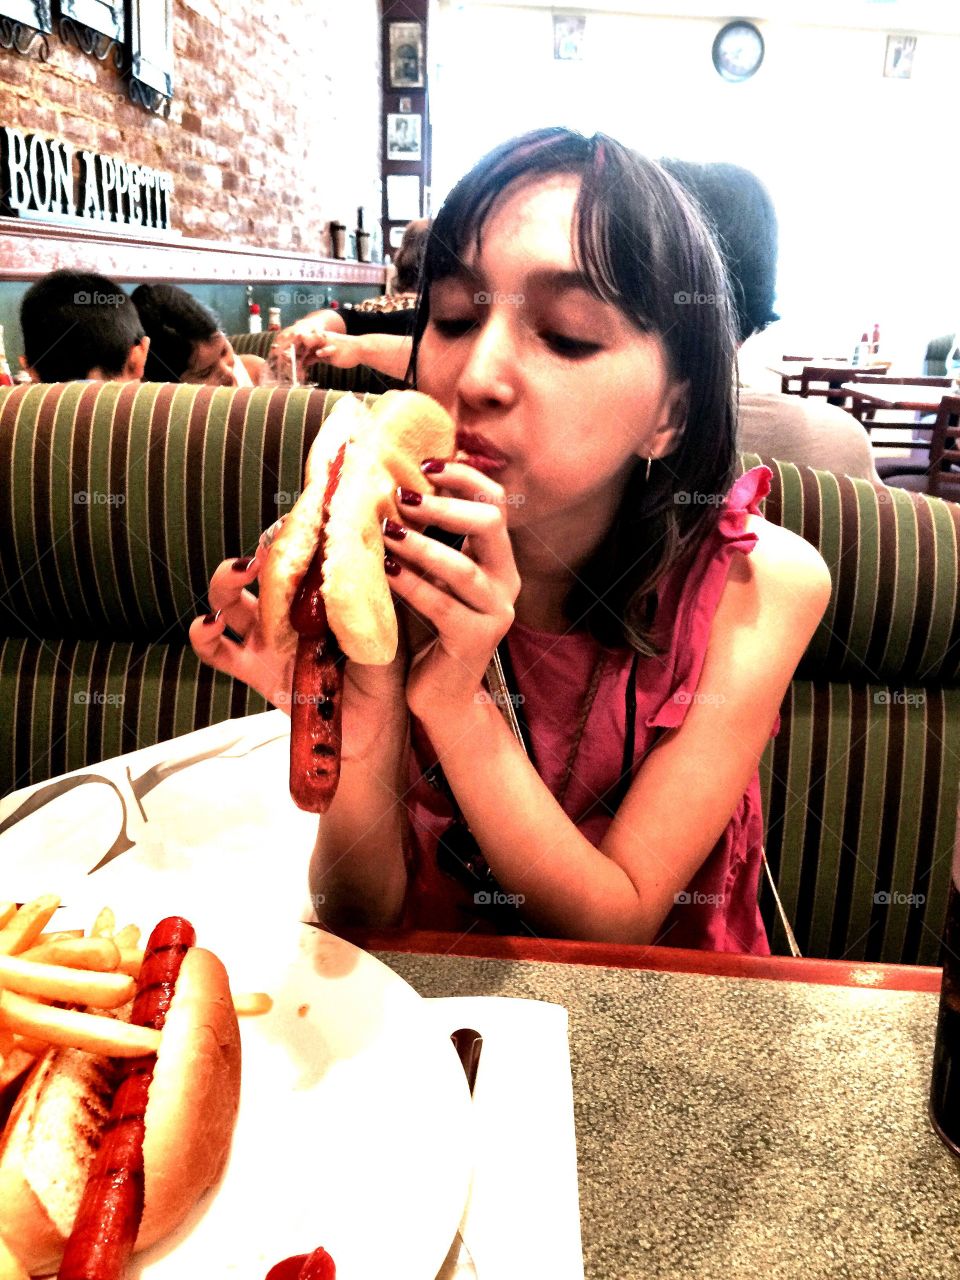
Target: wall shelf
[[30, 248]]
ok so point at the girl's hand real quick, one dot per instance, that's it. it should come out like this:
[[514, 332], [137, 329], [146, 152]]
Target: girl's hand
[[465, 597], [372, 696]]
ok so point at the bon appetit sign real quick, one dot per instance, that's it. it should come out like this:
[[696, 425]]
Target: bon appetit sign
[[46, 178]]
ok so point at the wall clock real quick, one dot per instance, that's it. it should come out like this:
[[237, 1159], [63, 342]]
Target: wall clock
[[738, 51]]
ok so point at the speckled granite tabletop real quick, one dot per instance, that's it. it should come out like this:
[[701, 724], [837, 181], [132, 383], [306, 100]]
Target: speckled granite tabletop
[[733, 1127]]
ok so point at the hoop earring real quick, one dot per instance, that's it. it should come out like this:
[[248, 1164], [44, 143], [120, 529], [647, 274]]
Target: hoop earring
[[647, 477]]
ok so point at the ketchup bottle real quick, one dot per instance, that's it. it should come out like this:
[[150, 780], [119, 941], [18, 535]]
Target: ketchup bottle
[[6, 377]]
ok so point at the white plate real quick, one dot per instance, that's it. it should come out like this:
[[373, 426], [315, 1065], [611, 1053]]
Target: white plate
[[354, 1126], [353, 1132]]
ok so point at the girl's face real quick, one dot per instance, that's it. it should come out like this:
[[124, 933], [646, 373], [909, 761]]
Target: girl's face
[[213, 363], [560, 388]]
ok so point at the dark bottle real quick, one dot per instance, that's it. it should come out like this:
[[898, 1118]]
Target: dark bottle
[[945, 1085]]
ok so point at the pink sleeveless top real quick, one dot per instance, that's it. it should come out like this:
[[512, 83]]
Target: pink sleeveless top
[[552, 672]]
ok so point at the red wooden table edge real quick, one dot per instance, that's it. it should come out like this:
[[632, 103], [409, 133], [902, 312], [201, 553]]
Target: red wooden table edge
[[840, 973]]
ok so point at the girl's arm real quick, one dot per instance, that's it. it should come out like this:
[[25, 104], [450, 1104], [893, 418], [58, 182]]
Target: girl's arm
[[358, 863], [682, 799]]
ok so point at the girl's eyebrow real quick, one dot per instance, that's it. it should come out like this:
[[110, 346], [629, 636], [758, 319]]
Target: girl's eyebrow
[[561, 281]]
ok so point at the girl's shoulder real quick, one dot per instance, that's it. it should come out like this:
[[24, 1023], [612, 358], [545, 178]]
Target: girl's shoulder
[[784, 577]]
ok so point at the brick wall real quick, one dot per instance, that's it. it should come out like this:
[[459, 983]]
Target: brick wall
[[274, 126]]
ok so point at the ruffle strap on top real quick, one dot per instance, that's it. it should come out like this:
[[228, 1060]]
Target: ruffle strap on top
[[700, 592]]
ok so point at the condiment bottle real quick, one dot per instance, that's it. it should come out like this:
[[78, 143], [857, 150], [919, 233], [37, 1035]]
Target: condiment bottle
[[861, 352], [945, 1084], [875, 341], [273, 320], [6, 377], [255, 320]]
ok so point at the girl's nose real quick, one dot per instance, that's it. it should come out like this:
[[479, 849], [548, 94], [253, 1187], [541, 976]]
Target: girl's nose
[[490, 375]]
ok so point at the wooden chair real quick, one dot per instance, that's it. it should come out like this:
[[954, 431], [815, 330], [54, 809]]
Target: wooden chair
[[940, 475], [876, 420], [790, 382]]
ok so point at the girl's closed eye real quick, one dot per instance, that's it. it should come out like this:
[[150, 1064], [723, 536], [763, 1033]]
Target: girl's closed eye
[[572, 348], [454, 326]]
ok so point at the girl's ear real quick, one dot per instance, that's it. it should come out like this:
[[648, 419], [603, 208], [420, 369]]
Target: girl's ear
[[671, 421]]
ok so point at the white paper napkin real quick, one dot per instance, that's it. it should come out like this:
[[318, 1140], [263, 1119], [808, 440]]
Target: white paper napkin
[[523, 1217]]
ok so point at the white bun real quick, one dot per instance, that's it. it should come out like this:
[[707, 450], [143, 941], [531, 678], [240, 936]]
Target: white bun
[[53, 1131], [194, 1096], [383, 448]]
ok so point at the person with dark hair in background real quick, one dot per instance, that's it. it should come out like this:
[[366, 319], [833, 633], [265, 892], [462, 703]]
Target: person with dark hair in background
[[809, 432], [77, 325], [186, 342], [376, 332], [648, 620]]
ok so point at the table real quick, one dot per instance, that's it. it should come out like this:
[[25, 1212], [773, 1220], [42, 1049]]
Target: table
[[898, 395], [832, 370], [730, 1127]]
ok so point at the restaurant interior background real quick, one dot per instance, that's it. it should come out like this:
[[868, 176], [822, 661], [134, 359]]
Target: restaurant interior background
[[274, 130]]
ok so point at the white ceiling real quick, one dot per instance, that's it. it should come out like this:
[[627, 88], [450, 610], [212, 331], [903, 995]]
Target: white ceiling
[[876, 15]]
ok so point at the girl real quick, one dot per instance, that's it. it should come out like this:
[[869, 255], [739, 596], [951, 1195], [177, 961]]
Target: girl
[[186, 342], [576, 325]]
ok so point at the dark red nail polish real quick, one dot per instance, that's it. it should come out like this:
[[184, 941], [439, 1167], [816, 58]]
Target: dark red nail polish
[[391, 567], [393, 530], [242, 565], [409, 497], [432, 466], [211, 618]]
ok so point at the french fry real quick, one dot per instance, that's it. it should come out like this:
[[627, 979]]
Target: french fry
[[25, 927], [128, 936], [251, 1003], [90, 1031], [105, 924], [131, 960], [57, 982], [60, 935], [7, 911], [101, 954]]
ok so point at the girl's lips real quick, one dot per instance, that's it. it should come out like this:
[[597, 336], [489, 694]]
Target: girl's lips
[[489, 466], [478, 446]]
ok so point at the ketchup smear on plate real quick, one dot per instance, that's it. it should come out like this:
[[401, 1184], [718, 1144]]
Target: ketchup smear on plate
[[305, 1266]]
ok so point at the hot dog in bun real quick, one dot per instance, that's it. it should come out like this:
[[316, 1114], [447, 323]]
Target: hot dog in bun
[[323, 590], [172, 1132]]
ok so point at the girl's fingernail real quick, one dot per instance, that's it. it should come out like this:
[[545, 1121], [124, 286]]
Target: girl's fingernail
[[391, 567], [242, 565], [409, 497], [211, 618], [432, 466], [393, 530]]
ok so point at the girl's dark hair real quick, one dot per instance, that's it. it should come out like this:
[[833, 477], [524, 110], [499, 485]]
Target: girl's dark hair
[[174, 321], [644, 248]]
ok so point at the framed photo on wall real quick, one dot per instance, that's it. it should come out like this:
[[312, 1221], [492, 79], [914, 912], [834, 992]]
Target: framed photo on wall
[[404, 137], [406, 55], [898, 63], [568, 33]]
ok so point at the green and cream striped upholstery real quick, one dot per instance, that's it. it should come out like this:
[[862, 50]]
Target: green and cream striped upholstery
[[252, 344], [122, 498], [861, 785], [360, 379]]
